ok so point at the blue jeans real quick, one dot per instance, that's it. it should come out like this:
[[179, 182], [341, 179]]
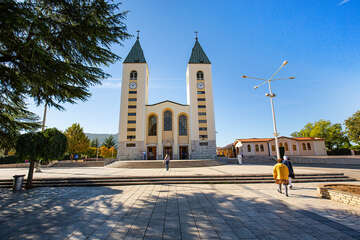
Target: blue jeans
[[167, 165]]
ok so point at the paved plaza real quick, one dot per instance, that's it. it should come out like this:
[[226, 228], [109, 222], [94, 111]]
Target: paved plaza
[[182, 211]]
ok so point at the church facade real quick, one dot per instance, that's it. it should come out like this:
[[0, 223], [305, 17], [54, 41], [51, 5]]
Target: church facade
[[183, 131]]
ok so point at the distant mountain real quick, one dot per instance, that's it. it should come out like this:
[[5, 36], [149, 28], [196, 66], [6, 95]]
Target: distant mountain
[[101, 137]]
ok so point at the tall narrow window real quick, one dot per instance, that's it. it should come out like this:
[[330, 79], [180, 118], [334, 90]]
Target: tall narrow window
[[273, 148], [304, 146], [256, 147], [200, 75], [261, 147], [167, 121], [286, 147], [308, 146], [152, 125], [294, 147], [133, 75], [182, 125], [249, 148]]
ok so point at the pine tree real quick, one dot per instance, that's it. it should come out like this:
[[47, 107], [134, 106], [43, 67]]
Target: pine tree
[[109, 142]]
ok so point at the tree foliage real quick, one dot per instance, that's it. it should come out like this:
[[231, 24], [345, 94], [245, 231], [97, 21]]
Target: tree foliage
[[335, 137], [95, 143], [78, 142], [109, 142], [56, 144], [353, 127], [107, 152], [52, 51]]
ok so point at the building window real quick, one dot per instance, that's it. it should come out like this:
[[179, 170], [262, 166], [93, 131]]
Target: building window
[[203, 144], [249, 148], [132, 99], [294, 147], [256, 147], [262, 147], [308, 146], [202, 113], [131, 137], [200, 75], [131, 121], [152, 125], [202, 121], [167, 121], [130, 145], [200, 92], [273, 148], [182, 125], [131, 129], [133, 75], [131, 114], [203, 136], [280, 144], [201, 106], [202, 128], [132, 106], [132, 92], [201, 99], [286, 147], [304, 146]]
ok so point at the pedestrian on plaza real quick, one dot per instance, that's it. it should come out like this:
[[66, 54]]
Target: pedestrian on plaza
[[167, 161], [281, 176], [288, 163]]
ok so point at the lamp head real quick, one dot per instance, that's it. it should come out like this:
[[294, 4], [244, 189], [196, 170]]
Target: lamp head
[[285, 62], [244, 76], [291, 77], [256, 87]]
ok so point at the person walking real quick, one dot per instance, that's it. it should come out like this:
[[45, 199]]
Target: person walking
[[167, 161], [288, 163], [281, 176]]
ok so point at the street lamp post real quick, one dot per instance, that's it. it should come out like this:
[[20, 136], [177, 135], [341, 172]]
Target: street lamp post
[[271, 95]]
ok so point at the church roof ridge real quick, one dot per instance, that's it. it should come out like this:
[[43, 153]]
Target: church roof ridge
[[136, 54], [167, 101], [198, 55]]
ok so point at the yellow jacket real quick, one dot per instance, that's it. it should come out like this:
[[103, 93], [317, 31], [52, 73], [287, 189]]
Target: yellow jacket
[[281, 172]]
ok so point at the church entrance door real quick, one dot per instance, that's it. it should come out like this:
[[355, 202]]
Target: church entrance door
[[151, 153], [184, 152], [168, 150]]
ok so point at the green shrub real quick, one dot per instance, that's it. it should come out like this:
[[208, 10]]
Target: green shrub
[[10, 159]]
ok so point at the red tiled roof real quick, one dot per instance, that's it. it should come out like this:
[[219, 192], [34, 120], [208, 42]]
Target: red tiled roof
[[270, 139]]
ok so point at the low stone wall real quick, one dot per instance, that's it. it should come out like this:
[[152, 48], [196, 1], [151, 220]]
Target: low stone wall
[[160, 163], [15, 165], [339, 196]]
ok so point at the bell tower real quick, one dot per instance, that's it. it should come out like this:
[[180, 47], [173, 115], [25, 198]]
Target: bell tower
[[134, 97], [200, 99]]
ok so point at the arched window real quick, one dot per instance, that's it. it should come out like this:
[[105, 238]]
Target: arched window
[[308, 146], [133, 75], [304, 146], [152, 125], [286, 147], [200, 75], [294, 148], [249, 147], [167, 121], [280, 145], [182, 125], [256, 148], [273, 148], [261, 147]]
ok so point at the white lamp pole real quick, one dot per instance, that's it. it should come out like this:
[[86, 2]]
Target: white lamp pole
[[271, 95]]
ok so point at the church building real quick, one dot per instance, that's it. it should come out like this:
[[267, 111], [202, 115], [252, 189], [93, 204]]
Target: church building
[[149, 131]]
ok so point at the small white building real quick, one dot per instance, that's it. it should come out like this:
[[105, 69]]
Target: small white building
[[293, 146]]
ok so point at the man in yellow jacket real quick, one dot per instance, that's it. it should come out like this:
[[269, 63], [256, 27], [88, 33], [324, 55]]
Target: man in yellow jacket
[[281, 176]]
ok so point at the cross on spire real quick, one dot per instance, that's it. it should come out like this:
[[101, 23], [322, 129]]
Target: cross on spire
[[138, 32], [196, 35]]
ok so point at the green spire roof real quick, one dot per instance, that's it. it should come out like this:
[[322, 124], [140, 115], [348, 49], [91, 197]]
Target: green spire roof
[[136, 54], [198, 55]]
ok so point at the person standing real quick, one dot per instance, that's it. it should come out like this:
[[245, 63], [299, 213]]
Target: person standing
[[281, 176], [167, 161], [288, 163]]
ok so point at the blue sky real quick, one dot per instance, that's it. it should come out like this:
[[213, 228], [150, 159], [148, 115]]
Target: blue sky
[[320, 39]]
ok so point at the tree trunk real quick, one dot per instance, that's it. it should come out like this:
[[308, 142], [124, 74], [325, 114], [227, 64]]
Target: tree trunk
[[30, 175], [37, 165]]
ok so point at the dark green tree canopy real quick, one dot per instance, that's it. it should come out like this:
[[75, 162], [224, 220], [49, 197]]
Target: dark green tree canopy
[[335, 137], [94, 143], [353, 127], [109, 142], [31, 146], [56, 144]]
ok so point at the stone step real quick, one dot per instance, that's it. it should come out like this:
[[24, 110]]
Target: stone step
[[229, 179]]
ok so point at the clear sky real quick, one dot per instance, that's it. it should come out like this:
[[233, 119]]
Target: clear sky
[[320, 39]]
